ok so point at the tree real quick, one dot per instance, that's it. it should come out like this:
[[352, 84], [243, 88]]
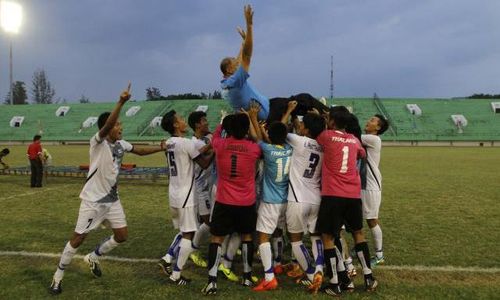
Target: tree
[[84, 99], [42, 91], [153, 93], [19, 92], [217, 95]]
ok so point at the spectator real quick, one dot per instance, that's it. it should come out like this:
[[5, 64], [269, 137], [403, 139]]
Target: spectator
[[35, 156], [4, 153]]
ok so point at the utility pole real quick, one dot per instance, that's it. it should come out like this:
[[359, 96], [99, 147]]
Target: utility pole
[[331, 77]]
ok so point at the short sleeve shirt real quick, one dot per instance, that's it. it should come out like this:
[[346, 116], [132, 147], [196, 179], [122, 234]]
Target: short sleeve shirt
[[276, 169]]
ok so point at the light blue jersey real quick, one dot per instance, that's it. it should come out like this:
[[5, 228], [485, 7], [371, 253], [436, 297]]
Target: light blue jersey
[[276, 167]]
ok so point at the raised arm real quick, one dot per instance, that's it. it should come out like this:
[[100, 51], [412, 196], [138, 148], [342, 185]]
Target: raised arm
[[291, 106], [113, 117], [139, 150], [247, 47]]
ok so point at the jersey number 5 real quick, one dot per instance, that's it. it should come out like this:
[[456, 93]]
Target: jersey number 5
[[171, 163]]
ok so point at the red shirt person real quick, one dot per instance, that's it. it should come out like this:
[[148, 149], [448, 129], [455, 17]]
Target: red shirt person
[[34, 153]]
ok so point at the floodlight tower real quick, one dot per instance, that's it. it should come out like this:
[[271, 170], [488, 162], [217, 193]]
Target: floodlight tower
[[331, 77], [11, 16]]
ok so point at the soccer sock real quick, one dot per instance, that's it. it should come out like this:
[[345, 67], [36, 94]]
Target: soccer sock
[[277, 249], [200, 235], [232, 246], [363, 254], [173, 249], [266, 257], [377, 239], [247, 256], [106, 246], [302, 255], [341, 269], [185, 249], [317, 250], [331, 265], [66, 257], [214, 256]]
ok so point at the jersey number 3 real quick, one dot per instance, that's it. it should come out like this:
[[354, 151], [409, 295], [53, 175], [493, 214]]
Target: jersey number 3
[[313, 163]]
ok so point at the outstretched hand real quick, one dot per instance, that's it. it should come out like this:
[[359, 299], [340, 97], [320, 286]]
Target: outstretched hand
[[125, 95], [242, 33], [292, 105], [248, 14]]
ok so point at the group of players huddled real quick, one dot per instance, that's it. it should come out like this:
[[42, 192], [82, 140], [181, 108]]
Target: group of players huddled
[[274, 168]]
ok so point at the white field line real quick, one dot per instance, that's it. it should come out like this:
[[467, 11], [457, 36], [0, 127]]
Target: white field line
[[35, 191], [382, 267]]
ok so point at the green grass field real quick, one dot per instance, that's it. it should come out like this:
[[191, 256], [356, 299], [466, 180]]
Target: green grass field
[[440, 209]]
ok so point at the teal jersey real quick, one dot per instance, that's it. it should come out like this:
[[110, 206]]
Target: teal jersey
[[276, 167]]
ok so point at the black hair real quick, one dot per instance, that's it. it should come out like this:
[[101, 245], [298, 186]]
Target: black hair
[[195, 117], [167, 122], [384, 124], [226, 125], [5, 151], [340, 118], [101, 121], [277, 133], [37, 138], [314, 123], [338, 108], [224, 64], [353, 127], [239, 126]]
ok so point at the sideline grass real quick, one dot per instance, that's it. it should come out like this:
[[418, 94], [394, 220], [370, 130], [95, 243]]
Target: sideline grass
[[440, 207]]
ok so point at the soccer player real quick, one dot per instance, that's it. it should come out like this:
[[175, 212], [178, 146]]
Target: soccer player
[[99, 195], [234, 208], [341, 202], [182, 155], [371, 195], [4, 153], [304, 195], [197, 120], [272, 208]]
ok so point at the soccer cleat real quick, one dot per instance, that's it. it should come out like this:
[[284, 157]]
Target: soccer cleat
[[316, 283], [278, 269], [198, 259], [352, 272], [304, 281], [180, 281], [248, 280], [332, 290], [165, 267], [266, 285], [347, 286], [370, 284], [55, 287], [295, 271], [228, 273], [94, 265], [377, 261], [210, 288]]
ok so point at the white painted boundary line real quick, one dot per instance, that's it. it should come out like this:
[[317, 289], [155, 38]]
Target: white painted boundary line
[[382, 267], [35, 191]]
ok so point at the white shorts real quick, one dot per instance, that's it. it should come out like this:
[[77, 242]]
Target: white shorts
[[92, 214], [371, 203], [205, 204], [185, 219], [270, 216], [301, 217]]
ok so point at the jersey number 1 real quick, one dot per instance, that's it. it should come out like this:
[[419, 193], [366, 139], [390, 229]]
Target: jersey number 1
[[345, 156]]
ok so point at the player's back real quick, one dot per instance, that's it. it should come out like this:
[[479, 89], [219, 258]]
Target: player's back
[[305, 169], [340, 176], [276, 170]]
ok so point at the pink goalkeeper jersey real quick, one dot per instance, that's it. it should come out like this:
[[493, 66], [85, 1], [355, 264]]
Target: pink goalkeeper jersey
[[339, 173], [235, 161]]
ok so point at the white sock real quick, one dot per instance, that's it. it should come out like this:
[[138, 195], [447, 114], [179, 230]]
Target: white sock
[[232, 246], [185, 249], [340, 261], [106, 246], [173, 249], [334, 279], [377, 240], [266, 257], [361, 258], [317, 250], [66, 257], [277, 249], [302, 255], [201, 235]]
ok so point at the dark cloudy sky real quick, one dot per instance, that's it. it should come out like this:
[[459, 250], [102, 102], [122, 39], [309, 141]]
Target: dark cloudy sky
[[396, 48]]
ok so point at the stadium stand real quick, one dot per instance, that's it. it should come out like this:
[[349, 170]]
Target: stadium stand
[[434, 124]]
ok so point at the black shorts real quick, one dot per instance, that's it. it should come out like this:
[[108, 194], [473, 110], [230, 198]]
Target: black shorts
[[336, 211], [226, 219]]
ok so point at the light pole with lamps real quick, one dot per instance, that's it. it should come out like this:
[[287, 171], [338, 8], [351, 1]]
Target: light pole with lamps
[[11, 16]]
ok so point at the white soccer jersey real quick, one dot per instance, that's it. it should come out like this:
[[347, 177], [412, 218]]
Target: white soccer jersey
[[201, 176], [373, 145], [180, 153], [305, 169], [105, 162]]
